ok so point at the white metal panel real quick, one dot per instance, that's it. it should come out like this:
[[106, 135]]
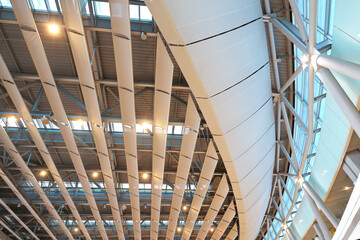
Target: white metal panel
[[205, 19], [120, 26], [191, 128], [32, 38], [233, 233], [221, 64], [74, 26], [206, 174], [163, 81], [25, 170], [25, 203], [214, 208], [225, 221]]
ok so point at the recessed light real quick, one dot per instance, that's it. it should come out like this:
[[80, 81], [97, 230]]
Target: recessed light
[[54, 29]]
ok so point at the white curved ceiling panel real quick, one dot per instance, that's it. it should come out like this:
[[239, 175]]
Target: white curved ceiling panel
[[163, 82], [207, 17], [121, 35], [257, 152], [214, 208], [221, 49], [238, 60], [191, 128], [225, 221], [76, 34], [254, 129], [242, 92], [206, 174], [233, 233]]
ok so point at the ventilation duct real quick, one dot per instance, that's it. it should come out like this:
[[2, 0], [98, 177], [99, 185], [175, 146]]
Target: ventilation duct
[[15, 155], [25, 203], [32, 38], [214, 208], [191, 128], [75, 30], [163, 81], [225, 221], [206, 175], [120, 26]]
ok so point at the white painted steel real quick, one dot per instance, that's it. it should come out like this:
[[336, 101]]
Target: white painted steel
[[320, 203], [225, 221], [9, 229], [75, 29], [214, 208], [19, 161], [318, 216], [32, 38], [25, 203], [120, 27], [222, 52], [206, 174], [341, 98], [163, 81], [18, 219], [299, 21], [344, 67], [191, 128], [233, 233]]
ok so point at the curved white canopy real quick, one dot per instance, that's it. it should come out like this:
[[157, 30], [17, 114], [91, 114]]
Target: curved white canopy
[[220, 47]]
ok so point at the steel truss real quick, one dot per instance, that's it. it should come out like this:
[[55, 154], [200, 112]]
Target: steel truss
[[320, 64]]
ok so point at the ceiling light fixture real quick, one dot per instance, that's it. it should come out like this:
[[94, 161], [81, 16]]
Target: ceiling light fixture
[[179, 229], [145, 176], [43, 173], [146, 126], [76, 229], [53, 29], [143, 36], [184, 208], [347, 188], [212, 229], [304, 59], [95, 174]]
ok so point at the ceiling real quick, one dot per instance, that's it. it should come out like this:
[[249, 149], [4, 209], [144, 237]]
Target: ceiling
[[99, 41]]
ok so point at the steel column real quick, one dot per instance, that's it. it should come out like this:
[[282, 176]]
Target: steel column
[[344, 67], [341, 98], [318, 217], [319, 202]]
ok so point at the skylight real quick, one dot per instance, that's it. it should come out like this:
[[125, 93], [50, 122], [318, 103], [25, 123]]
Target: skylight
[[102, 9], [81, 125], [39, 5], [140, 13], [5, 3]]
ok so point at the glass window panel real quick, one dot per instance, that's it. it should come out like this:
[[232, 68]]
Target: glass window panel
[[178, 129], [5, 3], [170, 129], [102, 9], [39, 5], [52, 5], [139, 128], [145, 14], [117, 127], [12, 122], [134, 12]]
